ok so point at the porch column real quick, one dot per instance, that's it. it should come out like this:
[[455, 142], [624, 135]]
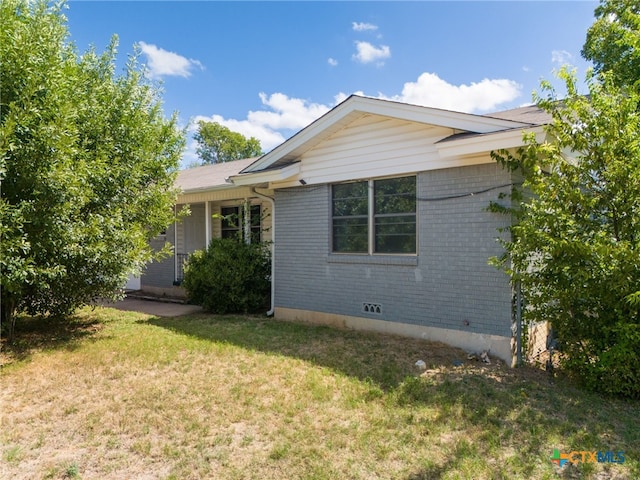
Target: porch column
[[246, 220], [175, 247], [207, 223]]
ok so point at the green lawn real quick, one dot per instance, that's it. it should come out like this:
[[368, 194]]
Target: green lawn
[[120, 395]]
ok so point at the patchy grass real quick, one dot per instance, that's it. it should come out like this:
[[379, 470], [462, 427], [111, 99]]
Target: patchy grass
[[115, 395]]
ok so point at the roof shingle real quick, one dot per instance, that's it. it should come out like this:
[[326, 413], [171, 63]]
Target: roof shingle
[[210, 176]]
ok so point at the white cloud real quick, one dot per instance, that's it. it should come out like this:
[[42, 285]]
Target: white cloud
[[363, 27], [431, 91], [332, 61], [161, 63], [281, 113], [561, 57], [368, 53], [287, 113]]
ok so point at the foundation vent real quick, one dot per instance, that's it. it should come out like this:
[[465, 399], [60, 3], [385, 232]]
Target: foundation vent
[[372, 308]]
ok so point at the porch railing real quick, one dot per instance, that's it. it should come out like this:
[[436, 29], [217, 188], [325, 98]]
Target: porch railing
[[181, 259]]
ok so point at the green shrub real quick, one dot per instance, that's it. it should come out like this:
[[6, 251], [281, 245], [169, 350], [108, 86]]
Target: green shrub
[[229, 277], [616, 370], [574, 238]]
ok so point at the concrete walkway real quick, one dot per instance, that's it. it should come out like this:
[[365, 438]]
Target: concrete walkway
[[157, 308]]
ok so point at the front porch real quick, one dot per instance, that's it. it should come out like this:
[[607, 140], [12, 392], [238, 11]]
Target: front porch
[[247, 220], [217, 209]]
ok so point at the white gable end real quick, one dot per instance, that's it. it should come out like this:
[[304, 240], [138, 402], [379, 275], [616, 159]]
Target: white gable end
[[367, 138], [372, 146]]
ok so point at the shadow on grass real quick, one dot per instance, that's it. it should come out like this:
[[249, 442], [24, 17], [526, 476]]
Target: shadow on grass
[[384, 360], [515, 412], [515, 409], [39, 333]]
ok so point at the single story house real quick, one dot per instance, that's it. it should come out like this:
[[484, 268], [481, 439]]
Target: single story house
[[378, 215]]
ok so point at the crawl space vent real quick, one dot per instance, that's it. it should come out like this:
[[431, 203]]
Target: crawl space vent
[[372, 308]]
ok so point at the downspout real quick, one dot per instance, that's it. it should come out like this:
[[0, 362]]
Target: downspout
[[273, 248]]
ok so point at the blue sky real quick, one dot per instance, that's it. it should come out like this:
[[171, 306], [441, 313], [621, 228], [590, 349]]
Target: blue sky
[[267, 69]]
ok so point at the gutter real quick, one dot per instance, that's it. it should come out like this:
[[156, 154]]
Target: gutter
[[273, 249]]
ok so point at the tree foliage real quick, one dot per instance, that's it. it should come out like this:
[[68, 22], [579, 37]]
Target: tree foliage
[[87, 163], [613, 41], [575, 246], [217, 144]]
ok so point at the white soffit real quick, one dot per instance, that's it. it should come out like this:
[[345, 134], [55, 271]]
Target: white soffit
[[474, 144]]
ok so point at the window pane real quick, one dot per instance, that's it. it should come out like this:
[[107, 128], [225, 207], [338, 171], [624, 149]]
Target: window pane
[[350, 207], [230, 234], [395, 195], [350, 199], [255, 216], [395, 215], [350, 235], [395, 234], [230, 217], [256, 235], [230, 224], [256, 230]]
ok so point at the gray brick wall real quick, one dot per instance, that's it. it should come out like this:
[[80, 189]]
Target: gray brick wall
[[449, 284], [160, 274]]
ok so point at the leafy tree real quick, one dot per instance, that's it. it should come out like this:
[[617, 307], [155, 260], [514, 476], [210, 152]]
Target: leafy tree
[[87, 163], [613, 41], [575, 246], [217, 144]]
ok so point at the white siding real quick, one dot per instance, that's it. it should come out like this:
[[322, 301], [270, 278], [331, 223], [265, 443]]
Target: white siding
[[190, 234], [216, 222], [133, 283], [372, 146]]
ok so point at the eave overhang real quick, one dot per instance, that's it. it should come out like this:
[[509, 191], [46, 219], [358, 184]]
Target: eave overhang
[[266, 176], [474, 144], [214, 188]]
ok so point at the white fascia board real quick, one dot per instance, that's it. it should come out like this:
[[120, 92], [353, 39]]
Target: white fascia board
[[386, 108], [488, 142], [266, 176], [438, 117]]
